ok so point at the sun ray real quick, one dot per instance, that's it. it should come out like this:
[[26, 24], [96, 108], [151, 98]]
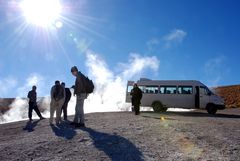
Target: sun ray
[[16, 36], [75, 24]]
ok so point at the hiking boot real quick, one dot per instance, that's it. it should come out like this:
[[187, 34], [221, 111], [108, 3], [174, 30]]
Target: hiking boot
[[41, 118]]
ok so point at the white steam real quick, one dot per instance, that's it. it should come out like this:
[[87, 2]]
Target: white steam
[[110, 87], [18, 111]]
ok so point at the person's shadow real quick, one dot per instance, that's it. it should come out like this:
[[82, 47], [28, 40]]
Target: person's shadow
[[30, 125], [116, 147], [64, 130]]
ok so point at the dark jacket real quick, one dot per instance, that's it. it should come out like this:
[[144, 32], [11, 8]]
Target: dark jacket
[[32, 95], [68, 94], [79, 84], [136, 96]]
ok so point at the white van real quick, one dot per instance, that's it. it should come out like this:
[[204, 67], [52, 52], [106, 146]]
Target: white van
[[161, 94]]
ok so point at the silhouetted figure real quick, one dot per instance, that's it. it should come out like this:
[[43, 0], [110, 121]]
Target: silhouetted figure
[[68, 95], [57, 100], [32, 96], [79, 90], [136, 98]]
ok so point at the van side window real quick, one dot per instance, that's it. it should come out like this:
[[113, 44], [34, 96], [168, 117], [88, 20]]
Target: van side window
[[129, 88], [203, 90], [168, 90], [142, 89], [151, 89], [185, 89], [162, 89]]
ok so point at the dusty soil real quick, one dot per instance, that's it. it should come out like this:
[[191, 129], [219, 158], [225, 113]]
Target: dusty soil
[[124, 136]]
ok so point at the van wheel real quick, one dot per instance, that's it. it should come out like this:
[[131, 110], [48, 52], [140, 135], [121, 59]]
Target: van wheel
[[211, 109], [158, 107]]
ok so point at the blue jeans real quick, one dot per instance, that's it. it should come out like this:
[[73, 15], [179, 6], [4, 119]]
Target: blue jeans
[[79, 112]]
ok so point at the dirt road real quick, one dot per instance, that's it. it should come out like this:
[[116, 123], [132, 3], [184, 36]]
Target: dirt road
[[124, 136]]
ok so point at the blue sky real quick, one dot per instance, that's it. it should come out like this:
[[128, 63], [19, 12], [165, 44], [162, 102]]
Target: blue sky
[[121, 40]]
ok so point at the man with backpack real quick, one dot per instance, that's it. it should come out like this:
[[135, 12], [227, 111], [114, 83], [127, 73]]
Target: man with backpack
[[83, 86], [57, 100], [68, 95]]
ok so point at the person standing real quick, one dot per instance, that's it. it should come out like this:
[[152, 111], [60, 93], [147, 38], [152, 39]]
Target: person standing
[[136, 98], [57, 100], [32, 96], [68, 95], [80, 92]]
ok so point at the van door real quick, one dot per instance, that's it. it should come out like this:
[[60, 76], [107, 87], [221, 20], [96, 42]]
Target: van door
[[203, 97], [197, 97]]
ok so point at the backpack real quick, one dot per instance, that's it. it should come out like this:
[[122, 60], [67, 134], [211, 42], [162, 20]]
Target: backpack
[[58, 92], [88, 83], [68, 94]]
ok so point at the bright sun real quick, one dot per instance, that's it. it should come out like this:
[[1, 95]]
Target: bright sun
[[41, 12]]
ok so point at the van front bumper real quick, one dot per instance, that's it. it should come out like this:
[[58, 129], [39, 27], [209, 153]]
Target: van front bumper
[[220, 107]]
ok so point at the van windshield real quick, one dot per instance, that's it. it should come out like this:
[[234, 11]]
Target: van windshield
[[209, 92]]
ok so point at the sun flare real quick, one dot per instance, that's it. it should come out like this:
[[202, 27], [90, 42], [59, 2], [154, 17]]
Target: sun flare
[[41, 12]]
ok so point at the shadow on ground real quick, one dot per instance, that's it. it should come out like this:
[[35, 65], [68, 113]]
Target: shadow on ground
[[190, 114], [115, 146], [64, 130], [30, 125]]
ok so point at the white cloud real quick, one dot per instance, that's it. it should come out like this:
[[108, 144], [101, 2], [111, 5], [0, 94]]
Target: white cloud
[[175, 36], [137, 64], [214, 65], [7, 84], [215, 70], [152, 43]]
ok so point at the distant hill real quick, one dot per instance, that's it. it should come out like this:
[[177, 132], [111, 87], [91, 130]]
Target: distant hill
[[231, 95], [6, 102]]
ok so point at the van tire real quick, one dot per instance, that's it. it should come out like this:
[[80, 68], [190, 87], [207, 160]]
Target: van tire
[[159, 107], [211, 109]]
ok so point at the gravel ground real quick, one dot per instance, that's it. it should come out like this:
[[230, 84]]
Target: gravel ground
[[124, 136]]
